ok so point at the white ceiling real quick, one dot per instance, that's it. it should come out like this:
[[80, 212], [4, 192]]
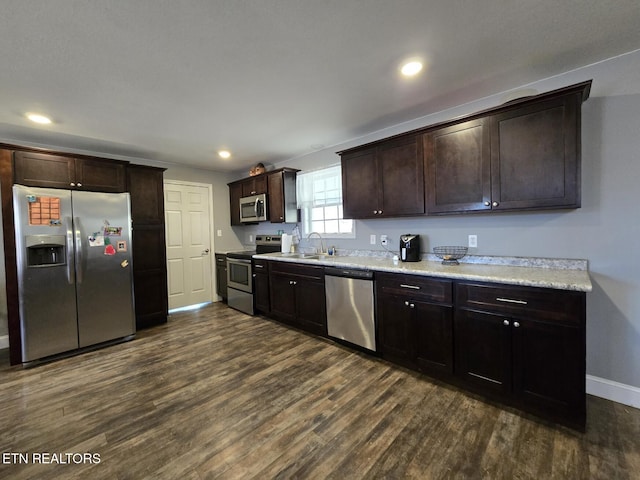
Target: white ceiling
[[175, 81]]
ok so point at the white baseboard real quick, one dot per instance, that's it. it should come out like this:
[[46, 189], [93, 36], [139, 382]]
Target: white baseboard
[[4, 341], [614, 391]]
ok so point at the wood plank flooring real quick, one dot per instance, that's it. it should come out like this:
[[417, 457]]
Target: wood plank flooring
[[216, 394]]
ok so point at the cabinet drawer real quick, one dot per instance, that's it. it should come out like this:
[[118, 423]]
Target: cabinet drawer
[[309, 271], [260, 265], [540, 303], [423, 288]]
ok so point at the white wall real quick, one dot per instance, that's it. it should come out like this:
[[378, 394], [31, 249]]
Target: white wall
[[604, 231]]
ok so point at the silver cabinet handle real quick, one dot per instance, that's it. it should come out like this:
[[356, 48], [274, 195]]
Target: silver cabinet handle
[[254, 275], [411, 305], [413, 287], [516, 324], [505, 322], [379, 212], [259, 266], [406, 303], [495, 204], [79, 184], [72, 184], [375, 212], [510, 300], [487, 203]]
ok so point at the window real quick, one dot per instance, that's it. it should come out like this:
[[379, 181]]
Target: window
[[319, 194]]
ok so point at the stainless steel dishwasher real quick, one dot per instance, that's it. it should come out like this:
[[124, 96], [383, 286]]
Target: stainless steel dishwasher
[[350, 311]]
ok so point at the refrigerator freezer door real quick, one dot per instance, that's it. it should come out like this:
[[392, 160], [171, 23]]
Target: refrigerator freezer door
[[104, 283], [47, 296]]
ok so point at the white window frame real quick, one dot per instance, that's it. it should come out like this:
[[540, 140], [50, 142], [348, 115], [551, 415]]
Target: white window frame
[[309, 199]]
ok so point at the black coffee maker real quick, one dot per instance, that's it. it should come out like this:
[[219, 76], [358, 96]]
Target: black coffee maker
[[410, 248]]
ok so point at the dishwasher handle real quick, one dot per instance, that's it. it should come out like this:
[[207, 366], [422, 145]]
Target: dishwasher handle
[[348, 273]]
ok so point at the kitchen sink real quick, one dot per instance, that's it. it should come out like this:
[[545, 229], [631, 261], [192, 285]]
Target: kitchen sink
[[306, 256]]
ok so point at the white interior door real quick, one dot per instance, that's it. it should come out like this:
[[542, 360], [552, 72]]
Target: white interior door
[[189, 246]]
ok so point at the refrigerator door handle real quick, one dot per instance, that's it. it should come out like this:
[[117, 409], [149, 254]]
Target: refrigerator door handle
[[79, 251], [70, 273]]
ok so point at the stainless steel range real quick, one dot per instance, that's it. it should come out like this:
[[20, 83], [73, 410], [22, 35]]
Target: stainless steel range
[[240, 272]]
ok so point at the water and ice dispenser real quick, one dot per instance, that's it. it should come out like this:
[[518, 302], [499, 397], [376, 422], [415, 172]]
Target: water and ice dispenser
[[45, 250]]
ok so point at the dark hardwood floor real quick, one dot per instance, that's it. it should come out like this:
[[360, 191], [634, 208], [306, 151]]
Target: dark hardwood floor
[[219, 394]]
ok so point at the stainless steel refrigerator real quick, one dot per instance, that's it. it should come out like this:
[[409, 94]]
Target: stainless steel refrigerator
[[75, 281]]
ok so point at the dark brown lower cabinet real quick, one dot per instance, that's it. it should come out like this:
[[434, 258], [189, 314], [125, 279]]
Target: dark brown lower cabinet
[[261, 288], [221, 275], [297, 296], [415, 322], [416, 334], [525, 346]]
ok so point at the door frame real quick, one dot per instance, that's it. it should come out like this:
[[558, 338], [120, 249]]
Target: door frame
[[212, 264]]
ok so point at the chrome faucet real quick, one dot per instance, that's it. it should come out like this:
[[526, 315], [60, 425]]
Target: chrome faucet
[[322, 250]]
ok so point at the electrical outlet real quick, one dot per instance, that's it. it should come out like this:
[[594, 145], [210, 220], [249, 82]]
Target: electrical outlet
[[219, 232], [383, 240], [473, 241], [372, 239], [250, 238]]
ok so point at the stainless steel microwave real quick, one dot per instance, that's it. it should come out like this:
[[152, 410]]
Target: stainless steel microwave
[[254, 208]]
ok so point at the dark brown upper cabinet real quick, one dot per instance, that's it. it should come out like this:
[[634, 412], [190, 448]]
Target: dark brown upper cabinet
[[458, 164], [57, 171], [520, 159], [522, 155], [535, 155], [280, 185], [282, 206], [255, 185], [386, 180]]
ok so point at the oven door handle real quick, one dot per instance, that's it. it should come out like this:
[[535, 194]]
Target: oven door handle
[[239, 260]]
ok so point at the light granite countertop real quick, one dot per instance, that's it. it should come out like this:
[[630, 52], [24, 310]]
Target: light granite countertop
[[533, 272]]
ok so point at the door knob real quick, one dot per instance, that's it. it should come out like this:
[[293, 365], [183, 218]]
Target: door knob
[[205, 252]]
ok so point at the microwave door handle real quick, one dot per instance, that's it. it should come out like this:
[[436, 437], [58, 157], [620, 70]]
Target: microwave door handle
[[255, 206]]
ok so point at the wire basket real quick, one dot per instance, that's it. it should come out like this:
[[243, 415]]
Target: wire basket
[[450, 255]]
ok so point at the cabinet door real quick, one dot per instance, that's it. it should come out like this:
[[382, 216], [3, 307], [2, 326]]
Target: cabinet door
[[483, 350], [282, 197], [311, 306], [433, 337], [548, 366], [535, 157], [394, 327], [400, 166], [457, 160], [101, 175], [43, 170], [360, 184], [147, 194], [261, 292], [235, 194], [221, 275], [283, 297], [254, 186]]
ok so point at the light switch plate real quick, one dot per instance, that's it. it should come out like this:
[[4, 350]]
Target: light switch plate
[[372, 239], [473, 241]]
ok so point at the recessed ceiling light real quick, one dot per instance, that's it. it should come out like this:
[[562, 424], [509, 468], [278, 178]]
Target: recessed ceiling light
[[37, 118], [224, 154], [411, 68]]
